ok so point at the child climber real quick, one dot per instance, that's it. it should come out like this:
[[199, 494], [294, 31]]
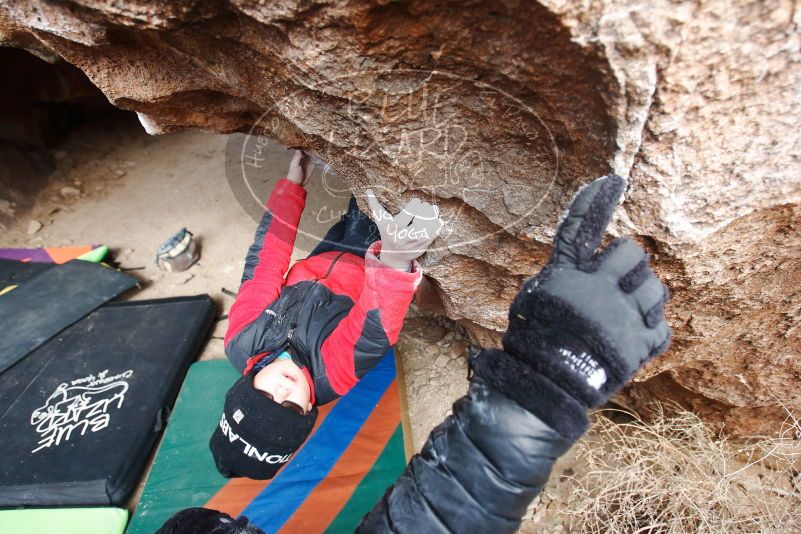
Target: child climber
[[303, 338], [578, 332]]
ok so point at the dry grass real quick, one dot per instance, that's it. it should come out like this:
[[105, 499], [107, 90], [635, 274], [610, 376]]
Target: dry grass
[[672, 475]]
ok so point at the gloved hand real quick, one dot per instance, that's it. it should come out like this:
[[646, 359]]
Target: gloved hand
[[407, 235], [580, 329], [300, 168]]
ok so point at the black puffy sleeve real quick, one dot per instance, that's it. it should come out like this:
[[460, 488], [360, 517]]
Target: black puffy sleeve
[[478, 471]]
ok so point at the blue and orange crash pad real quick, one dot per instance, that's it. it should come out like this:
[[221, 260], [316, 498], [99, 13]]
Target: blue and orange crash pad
[[354, 453]]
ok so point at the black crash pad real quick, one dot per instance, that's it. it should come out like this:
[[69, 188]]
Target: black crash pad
[[79, 415], [51, 301], [14, 273]]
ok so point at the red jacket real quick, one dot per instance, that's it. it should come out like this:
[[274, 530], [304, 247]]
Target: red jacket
[[340, 313]]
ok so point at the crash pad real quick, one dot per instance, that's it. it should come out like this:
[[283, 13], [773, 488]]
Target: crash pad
[[58, 255], [64, 521], [353, 454], [20, 264], [79, 415], [51, 301], [13, 272]]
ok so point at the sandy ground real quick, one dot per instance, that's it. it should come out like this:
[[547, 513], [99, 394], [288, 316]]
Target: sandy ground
[[131, 191], [167, 183]]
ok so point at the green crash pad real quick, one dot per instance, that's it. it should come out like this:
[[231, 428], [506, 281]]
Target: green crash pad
[[183, 475], [352, 456], [64, 521]]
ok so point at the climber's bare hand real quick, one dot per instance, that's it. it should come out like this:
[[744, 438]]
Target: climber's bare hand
[[300, 168]]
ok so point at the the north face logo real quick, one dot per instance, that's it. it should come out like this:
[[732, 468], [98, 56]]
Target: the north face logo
[[586, 366]]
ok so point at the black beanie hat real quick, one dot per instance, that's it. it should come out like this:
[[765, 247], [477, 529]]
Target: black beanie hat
[[206, 521], [256, 435]]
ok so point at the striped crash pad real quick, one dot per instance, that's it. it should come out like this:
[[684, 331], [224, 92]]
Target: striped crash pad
[[57, 255], [353, 454]]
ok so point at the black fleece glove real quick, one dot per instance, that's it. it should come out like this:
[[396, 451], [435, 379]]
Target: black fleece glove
[[580, 329]]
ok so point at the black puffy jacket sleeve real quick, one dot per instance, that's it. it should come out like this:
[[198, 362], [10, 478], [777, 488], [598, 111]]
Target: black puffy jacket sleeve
[[478, 471], [578, 331]]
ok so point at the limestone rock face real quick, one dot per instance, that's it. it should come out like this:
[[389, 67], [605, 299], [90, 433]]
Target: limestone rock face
[[499, 111]]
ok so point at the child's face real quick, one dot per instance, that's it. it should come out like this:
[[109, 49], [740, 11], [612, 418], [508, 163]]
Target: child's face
[[284, 381]]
